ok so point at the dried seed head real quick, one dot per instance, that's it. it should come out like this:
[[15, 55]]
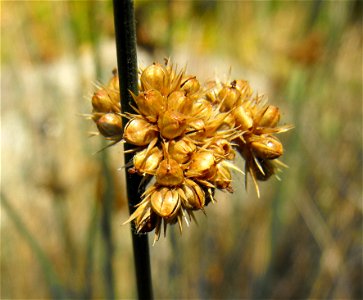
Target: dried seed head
[[265, 146], [265, 169], [202, 109], [190, 85], [222, 148], [150, 104], [229, 96], [155, 77], [223, 178], [110, 125], [202, 165], [243, 118], [181, 150], [102, 102], [114, 82], [172, 124], [244, 87], [169, 173], [165, 202], [194, 195], [268, 117], [140, 132], [179, 102], [147, 161]]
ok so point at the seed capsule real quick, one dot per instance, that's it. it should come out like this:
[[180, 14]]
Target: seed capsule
[[181, 150], [140, 132], [244, 87], [222, 148], [202, 109], [179, 102], [155, 77], [147, 161], [202, 165], [169, 173], [102, 102], [269, 117], [110, 125], [223, 178], [150, 104], [267, 167], [172, 124], [165, 202], [266, 146], [229, 96], [191, 85], [194, 195], [243, 118]]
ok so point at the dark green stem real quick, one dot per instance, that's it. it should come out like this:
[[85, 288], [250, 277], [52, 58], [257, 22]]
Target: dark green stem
[[127, 67]]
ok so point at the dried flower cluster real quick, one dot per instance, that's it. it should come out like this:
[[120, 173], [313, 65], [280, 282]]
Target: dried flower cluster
[[186, 136]]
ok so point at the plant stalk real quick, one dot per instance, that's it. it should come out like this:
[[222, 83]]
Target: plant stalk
[[127, 67]]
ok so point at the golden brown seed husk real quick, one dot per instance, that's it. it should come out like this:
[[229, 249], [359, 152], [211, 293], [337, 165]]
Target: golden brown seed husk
[[150, 104], [244, 87], [190, 85], [148, 160], [155, 77], [169, 173], [202, 165], [165, 202], [178, 101], [194, 195], [110, 125], [229, 96], [140, 132], [243, 118], [222, 178], [172, 124], [181, 150], [102, 102], [268, 117], [265, 146]]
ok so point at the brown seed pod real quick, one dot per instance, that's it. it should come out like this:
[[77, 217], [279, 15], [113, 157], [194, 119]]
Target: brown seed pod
[[190, 85], [165, 202], [172, 124], [265, 146], [110, 125], [268, 117], [102, 102], [178, 101], [202, 165], [140, 132], [243, 118], [169, 173], [229, 96], [264, 170], [223, 178], [181, 150], [244, 87], [150, 104], [222, 149], [148, 160], [194, 197], [155, 77]]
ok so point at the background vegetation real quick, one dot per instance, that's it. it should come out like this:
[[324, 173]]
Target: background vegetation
[[62, 207]]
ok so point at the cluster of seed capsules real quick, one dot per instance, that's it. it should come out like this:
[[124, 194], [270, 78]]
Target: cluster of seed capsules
[[186, 137]]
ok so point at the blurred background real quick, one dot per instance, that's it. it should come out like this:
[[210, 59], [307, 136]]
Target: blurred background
[[63, 204]]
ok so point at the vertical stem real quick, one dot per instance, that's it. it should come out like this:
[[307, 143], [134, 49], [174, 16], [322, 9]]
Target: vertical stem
[[127, 66]]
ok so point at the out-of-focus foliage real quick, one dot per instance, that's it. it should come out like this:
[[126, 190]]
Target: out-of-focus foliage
[[62, 207]]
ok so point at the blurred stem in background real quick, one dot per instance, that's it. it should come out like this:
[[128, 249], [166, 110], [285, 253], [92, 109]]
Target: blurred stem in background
[[125, 34], [53, 282]]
